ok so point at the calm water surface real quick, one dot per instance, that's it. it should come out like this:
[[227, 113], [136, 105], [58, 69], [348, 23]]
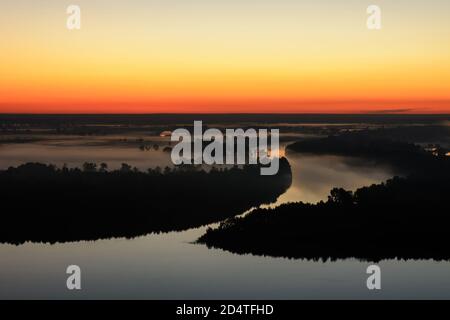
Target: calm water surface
[[169, 266]]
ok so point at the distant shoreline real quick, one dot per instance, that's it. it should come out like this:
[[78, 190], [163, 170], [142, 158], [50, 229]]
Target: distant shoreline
[[271, 118]]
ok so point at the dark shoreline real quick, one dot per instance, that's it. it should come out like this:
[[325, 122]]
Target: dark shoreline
[[172, 118], [375, 223], [42, 203]]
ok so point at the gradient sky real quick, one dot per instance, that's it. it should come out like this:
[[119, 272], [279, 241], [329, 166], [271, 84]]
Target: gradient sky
[[146, 56]]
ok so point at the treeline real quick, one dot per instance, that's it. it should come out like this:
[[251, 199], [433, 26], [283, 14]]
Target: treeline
[[42, 203], [406, 157], [404, 218], [413, 133]]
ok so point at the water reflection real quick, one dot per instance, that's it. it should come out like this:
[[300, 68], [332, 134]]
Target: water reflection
[[169, 267]]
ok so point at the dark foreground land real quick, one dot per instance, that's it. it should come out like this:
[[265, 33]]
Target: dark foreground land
[[405, 218], [41, 203]]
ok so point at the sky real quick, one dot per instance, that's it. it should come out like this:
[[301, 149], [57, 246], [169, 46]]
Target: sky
[[225, 56]]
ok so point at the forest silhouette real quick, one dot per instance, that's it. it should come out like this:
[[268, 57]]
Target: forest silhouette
[[404, 218], [42, 203]]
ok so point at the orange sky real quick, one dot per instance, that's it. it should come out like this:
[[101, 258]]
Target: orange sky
[[198, 56]]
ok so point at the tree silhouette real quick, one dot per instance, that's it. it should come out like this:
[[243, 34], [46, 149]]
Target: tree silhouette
[[103, 167]]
